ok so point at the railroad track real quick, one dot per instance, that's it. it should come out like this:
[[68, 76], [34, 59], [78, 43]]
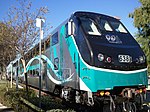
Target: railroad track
[[56, 98], [72, 106], [56, 101]]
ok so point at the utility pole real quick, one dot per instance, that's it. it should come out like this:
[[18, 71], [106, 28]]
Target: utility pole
[[39, 23], [11, 75]]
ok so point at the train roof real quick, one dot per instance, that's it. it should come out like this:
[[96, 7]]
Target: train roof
[[77, 14], [94, 15]]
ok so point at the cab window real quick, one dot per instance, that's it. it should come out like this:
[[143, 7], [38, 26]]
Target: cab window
[[55, 38], [118, 27], [89, 26]]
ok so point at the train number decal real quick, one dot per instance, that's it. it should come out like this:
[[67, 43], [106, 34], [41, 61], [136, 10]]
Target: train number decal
[[124, 58]]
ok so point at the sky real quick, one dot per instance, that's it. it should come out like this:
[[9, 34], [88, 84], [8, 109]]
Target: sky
[[60, 10]]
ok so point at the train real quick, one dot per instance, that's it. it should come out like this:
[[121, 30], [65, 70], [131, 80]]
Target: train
[[90, 59]]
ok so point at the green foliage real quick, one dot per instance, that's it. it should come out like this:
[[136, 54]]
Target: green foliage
[[141, 18], [22, 19], [144, 42], [3, 86], [7, 40], [12, 98]]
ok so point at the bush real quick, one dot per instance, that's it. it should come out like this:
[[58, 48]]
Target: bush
[[11, 98]]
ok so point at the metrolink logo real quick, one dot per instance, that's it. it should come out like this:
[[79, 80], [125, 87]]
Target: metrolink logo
[[60, 79]]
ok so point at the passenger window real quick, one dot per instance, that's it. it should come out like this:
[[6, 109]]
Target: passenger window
[[37, 50], [66, 26], [47, 43], [55, 38], [34, 53], [56, 64], [43, 48]]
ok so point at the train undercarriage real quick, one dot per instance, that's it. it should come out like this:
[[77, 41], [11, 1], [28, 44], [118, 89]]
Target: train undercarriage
[[117, 100]]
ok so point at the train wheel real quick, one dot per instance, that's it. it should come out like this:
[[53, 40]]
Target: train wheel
[[109, 105], [133, 106], [119, 108], [139, 101], [106, 108], [57, 91], [129, 107], [98, 106]]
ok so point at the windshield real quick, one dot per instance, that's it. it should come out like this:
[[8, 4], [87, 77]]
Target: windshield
[[104, 25], [89, 26], [118, 27], [111, 25]]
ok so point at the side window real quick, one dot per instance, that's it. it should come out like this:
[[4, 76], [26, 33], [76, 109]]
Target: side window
[[66, 26], [43, 47], [47, 42], [55, 38], [34, 52], [37, 50], [73, 29], [56, 63]]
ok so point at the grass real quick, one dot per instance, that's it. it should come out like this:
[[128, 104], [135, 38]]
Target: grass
[[3, 89]]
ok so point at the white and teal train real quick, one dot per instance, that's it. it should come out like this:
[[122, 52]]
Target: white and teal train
[[91, 59]]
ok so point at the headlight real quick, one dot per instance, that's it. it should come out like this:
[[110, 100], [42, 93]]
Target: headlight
[[100, 57], [140, 59], [108, 59], [104, 58]]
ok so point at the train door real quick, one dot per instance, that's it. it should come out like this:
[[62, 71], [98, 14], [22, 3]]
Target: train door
[[71, 55], [73, 26], [55, 56], [44, 76], [65, 63]]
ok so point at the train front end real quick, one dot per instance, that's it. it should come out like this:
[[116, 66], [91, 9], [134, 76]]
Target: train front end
[[112, 65]]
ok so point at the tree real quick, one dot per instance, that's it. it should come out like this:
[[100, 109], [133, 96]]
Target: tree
[[7, 52], [141, 18], [22, 20]]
